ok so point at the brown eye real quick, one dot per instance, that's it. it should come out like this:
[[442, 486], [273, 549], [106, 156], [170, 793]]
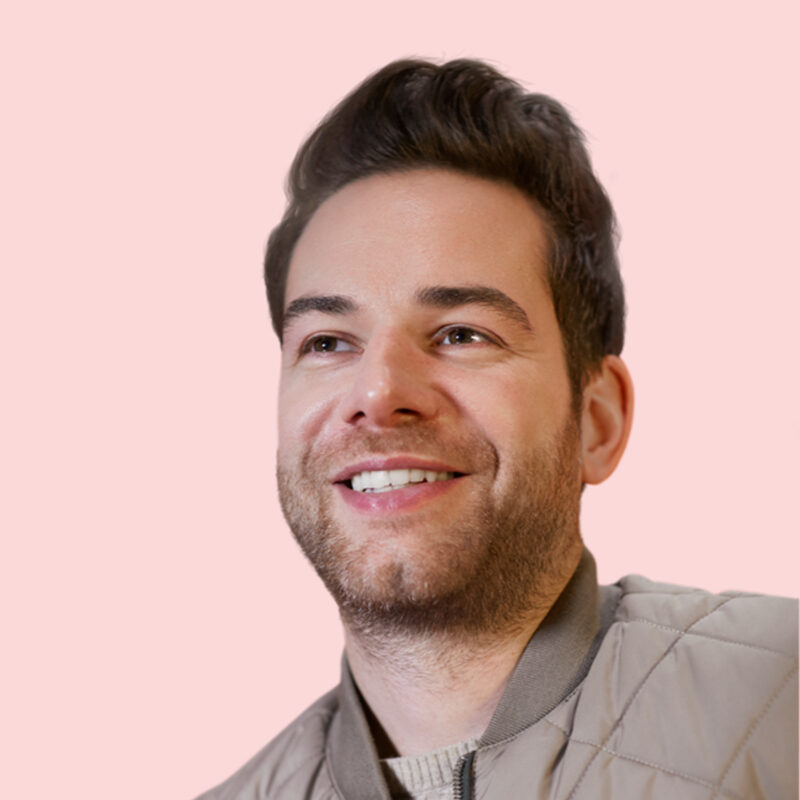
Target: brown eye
[[462, 335], [325, 343]]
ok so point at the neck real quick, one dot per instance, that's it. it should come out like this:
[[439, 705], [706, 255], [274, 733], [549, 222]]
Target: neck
[[427, 691]]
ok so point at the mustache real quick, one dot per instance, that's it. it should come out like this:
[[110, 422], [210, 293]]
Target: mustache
[[469, 450]]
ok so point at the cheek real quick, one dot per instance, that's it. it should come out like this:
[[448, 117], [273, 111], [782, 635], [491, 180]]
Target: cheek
[[303, 412], [515, 410]]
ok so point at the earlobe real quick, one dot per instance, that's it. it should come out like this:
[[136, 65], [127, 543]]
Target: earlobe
[[606, 419]]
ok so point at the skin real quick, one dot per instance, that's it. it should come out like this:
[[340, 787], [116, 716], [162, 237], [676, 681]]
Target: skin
[[382, 368]]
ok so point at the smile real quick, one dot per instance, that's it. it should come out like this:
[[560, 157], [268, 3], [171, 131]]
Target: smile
[[386, 480]]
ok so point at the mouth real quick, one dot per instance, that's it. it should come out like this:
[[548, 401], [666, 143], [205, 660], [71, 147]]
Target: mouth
[[387, 480], [388, 474], [395, 484]]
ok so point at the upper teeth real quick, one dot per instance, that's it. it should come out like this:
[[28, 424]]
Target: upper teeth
[[383, 480]]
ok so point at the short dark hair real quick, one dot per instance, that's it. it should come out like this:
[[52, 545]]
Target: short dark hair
[[465, 115]]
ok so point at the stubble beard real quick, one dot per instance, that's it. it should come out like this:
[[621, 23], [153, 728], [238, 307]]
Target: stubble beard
[[486, 572]]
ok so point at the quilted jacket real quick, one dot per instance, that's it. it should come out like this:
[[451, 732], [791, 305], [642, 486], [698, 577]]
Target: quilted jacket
[[637, 690]]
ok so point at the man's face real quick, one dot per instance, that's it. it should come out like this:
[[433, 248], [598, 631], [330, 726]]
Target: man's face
[[428, 459]]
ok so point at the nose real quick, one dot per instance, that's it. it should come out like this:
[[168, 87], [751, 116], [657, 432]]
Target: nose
[[392, 385]]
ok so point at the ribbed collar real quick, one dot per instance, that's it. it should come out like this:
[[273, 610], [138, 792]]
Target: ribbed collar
[[554, 662]]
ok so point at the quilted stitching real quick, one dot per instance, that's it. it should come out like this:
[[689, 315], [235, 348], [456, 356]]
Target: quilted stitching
[[722, 639], [752, 729], [638, 689], [652, 765]]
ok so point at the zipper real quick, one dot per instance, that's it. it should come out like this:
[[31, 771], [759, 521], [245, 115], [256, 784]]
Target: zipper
[[463, 782]]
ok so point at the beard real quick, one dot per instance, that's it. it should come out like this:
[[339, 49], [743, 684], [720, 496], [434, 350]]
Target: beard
[[498, 560]]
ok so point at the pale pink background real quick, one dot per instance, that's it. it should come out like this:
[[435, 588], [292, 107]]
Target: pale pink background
[[159, 624]]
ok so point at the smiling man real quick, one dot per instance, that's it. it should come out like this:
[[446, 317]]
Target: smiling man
[[446, 291], [429, 460]]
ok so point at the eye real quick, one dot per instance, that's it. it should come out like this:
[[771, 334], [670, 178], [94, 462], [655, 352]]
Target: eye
[[326, 343], [461, 334]]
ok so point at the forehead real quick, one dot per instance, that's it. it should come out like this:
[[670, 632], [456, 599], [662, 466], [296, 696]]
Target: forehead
[[386, 235]]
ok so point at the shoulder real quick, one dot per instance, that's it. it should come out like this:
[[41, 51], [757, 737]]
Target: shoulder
[[291, 765], [699, 687], [734, 618]]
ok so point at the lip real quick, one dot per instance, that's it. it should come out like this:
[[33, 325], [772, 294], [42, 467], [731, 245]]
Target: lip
[[394, 462], [407, 498]]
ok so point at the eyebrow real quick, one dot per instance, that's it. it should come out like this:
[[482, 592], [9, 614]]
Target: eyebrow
[[455, 296], [431, 296], [323, 303]]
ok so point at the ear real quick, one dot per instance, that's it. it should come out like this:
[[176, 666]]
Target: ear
[[606, 419]]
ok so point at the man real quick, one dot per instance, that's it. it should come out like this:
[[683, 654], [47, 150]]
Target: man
[[446, 291]]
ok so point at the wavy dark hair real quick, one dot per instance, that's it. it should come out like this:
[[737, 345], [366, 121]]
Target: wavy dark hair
[[465, 115]]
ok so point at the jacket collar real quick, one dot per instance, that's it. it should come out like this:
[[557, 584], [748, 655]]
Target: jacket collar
[[558, 655], [554, 662]]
